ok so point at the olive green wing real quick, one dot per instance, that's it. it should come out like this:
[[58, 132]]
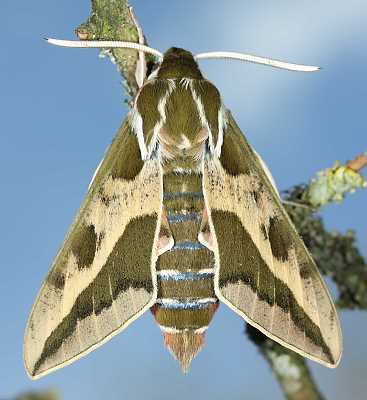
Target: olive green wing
[[103, 277], [263, 270]]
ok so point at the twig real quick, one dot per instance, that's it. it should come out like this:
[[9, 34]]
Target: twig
[[358, 162]]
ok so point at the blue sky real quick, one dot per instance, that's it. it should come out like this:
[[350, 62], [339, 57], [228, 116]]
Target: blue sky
[[59, 111]]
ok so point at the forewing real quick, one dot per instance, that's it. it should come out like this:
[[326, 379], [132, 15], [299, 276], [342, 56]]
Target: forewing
[[104, 274], [263, 270]]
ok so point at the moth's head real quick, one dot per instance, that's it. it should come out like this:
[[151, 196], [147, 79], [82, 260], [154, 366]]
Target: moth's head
[[178, 63]]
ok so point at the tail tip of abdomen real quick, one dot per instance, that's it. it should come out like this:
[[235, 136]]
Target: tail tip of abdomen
[[184, 345]]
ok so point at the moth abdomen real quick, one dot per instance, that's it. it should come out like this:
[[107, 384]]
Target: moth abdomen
[[186, 300]]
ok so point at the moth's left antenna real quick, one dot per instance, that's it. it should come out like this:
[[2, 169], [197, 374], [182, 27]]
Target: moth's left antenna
[[105, 44]]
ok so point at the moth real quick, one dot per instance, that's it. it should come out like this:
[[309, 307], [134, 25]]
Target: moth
[[180, 216]]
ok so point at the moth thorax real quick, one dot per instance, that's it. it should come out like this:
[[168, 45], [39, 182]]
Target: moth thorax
[[183, 150]]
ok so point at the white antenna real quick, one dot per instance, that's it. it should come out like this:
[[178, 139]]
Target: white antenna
[[257, 60], [201, 56], [104, 44]]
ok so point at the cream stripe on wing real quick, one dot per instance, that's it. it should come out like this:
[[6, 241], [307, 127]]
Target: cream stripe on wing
[[109, 223]]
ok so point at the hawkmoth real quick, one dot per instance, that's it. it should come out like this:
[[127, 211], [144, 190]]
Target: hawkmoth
[[180, 215]]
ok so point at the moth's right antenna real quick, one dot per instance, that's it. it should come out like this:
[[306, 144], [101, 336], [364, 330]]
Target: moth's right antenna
[[257, 60]]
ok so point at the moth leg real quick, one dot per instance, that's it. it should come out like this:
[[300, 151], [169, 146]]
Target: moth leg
[[141, 65], [205, 236], [165, 238]]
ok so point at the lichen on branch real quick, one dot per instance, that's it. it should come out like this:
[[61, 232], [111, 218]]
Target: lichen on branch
[[112, 20], [332, 184]]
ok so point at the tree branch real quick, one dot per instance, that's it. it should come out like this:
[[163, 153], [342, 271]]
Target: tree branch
[[289, 368], [112, 20]]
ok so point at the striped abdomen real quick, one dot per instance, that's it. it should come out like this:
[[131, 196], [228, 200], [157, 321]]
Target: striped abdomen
[[186, 300]]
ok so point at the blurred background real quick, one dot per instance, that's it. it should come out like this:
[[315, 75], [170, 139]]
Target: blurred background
[[59, 111]]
